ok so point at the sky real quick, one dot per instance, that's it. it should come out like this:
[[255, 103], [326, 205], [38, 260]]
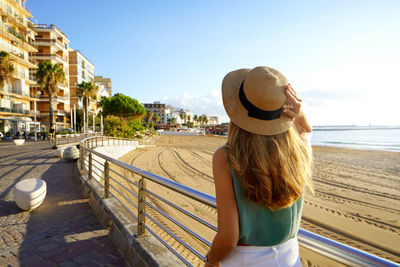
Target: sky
[[342, 57]]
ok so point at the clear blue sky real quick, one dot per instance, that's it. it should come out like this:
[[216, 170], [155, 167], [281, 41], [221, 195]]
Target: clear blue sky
[[342, 56]]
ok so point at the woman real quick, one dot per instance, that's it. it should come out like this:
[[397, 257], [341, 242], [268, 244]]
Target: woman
[[261, 173]]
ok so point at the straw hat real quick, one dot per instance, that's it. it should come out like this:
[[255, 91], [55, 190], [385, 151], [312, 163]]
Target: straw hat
[[254, 99]]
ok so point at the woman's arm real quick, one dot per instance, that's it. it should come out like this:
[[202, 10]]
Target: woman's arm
[[227, 236], [297, 111]]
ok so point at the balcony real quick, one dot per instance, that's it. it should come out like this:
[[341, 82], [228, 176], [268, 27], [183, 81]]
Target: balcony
[[56, 112], [19, 57], [44, 41], [45, 98], [63, 86], [60, 98], [19, 111], [14, 17], [12, 34], [20, 6], [15, 93], [48, 56], [19, 92], [49, 27]]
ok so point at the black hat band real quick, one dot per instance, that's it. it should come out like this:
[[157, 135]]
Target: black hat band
[[255, 112]]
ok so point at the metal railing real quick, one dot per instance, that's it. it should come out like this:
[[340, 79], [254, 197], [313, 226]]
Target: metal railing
[[19, 111], [51, 55], [64, 139], [97, 166], [48, 40]]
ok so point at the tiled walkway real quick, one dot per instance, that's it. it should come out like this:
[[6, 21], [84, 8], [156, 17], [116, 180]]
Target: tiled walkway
[[63, 231]]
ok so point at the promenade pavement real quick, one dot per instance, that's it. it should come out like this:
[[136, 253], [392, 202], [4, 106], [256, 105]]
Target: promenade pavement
[[62, 231]]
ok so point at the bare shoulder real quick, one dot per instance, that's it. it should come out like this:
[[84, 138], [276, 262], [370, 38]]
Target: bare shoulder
[[219, 155], [220, 164]]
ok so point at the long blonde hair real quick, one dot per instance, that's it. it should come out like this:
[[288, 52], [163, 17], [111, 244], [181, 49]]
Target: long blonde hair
[[274, 170]]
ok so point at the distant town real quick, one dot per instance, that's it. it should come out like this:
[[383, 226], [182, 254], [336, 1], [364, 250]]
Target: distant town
[[172, 118], [24, 104]]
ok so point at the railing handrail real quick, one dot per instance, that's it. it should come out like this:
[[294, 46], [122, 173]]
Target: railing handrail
[[323, 245], [187, 191]]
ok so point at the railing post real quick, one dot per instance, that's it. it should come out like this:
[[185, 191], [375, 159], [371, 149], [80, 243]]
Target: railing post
[[55, 139], [67, 139], [106, 180], [141, 208], [102, 141], [81, 155], [90, 165]]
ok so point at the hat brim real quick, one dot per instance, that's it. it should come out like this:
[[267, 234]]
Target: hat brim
[[238, 114]]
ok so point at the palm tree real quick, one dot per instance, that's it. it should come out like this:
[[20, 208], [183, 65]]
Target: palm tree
[[181, 116], [196, 118], [156, 118], [6, 69], [86, 91], [48, 77], [149, 116]]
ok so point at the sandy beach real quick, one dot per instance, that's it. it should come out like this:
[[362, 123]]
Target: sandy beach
[[356, 200]]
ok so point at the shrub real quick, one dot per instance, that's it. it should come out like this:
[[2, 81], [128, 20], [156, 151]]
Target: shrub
[[120, 127]]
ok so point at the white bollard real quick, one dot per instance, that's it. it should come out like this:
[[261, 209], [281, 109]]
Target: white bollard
[[29, 193], [71, 153]]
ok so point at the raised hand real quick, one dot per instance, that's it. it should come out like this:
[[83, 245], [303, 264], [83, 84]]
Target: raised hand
[[295, 110]]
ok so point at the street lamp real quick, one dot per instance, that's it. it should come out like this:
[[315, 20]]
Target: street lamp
[[38, 93]]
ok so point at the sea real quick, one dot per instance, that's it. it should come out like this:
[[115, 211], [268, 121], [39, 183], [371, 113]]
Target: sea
[[360, 137]]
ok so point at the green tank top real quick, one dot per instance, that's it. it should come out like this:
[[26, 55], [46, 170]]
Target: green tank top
[[258, 225]]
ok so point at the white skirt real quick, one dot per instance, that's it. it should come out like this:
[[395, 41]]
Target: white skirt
[[282, 255]]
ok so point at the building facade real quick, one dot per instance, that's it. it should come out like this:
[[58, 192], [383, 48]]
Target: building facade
[[52, 46], [17, 36], [104, 85], [213, 120], [184, 115], [81, 70], [159, 109]]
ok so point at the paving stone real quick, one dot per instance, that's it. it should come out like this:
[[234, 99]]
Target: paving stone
[[85, 258], [52, 252], [66, 256], [93, 264], [67, 264], [36, 261], [47, 247]]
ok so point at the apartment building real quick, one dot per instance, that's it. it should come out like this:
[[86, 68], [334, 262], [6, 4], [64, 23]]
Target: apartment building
[[80, 70], [184, 116], [104, 85], [213, 120], [17, 36], [158, 109], [52, 45]]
